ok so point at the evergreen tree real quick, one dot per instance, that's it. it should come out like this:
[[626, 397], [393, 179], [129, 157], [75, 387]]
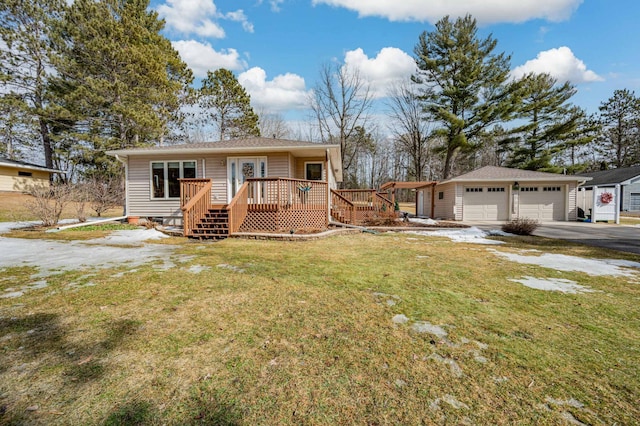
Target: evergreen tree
[[120, 81], [620, 138], [26, 65], [551, 124], [464, 84], [228, 105]]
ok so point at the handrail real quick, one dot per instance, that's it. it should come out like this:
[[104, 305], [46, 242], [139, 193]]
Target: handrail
[[342, 202], [238, 208], [197, 206]]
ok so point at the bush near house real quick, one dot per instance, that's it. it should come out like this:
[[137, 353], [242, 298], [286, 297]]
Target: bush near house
[[521, 226]]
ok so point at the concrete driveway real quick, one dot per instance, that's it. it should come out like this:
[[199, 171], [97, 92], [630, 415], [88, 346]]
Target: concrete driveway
[[616, 237]]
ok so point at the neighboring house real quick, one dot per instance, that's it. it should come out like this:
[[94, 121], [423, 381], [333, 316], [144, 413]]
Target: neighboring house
[[627, 179], [500, 194], [235, 185], [19, 176]]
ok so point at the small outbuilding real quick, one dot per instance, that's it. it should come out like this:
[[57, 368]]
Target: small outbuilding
[[501, 194], [19, 176]]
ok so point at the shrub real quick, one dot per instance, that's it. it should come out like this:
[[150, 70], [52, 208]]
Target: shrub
[[520, 226], [48, 202]]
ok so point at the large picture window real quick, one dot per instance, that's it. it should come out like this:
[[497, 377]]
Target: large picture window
[[165, 177]]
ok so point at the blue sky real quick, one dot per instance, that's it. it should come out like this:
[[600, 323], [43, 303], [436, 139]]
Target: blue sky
[[276, 47]]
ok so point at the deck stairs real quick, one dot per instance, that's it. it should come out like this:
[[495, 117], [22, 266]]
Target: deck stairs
[[214, 225]]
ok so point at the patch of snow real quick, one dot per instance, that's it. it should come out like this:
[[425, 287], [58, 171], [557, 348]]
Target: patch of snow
[[563, 262], [196, 269], [129, 237], [571, 402], [453, 366], [553, 284], [231, 268], [52, 257], [8, 226], [465, 235], [400, 319], [449, 399], [570, 418], [400, 383], [426, 327], [423, 221]]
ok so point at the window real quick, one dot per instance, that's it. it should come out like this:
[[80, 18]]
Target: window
[[495, 189], [165, 175], [313, 171], [473, 190], [551, 189], [440, 195], [528, 189], [26, 174]]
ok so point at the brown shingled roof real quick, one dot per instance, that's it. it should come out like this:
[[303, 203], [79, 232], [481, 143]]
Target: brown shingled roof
[[493, 173]]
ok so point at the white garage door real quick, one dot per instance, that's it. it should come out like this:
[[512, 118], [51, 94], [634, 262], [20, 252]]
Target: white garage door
[[543, 202], [485, 203]]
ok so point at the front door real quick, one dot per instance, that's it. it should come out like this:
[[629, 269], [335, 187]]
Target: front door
[[239, 169]]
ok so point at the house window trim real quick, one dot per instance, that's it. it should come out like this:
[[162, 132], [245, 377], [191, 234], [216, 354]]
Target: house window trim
[[22, 173], [322, 170], [166, 174]]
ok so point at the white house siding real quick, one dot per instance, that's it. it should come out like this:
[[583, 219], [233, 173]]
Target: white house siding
[[278, 165], [424, 195], [10, 181], [445, 208], [216, 169], [139, 198]]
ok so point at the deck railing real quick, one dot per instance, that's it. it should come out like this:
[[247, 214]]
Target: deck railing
[[195, 202], [367, 204], [281, 204], [342, 209], [238, 208]]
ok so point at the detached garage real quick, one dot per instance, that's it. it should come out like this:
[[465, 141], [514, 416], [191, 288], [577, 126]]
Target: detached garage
[[501, 194]]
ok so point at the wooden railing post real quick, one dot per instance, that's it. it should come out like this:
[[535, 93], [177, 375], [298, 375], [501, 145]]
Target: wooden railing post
[[195, 202]]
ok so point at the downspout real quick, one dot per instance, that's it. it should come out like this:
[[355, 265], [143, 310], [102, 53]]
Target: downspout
[[433, 200], [126, 184]]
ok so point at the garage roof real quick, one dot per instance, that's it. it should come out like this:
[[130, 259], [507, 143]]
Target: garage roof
[[505, 174], [16, 164]]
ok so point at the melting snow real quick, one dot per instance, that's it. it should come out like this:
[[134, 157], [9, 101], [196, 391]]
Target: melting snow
[[553, 284], [129, 236], [562, 262], [466, 235], [424, 221]]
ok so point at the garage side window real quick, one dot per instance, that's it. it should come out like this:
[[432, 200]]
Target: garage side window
[[165, 177], [473, 189], [551, 189], [528, 189], [440, 195], [495, 189]]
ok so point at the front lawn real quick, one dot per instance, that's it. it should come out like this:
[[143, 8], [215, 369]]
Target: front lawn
[[362, 329]]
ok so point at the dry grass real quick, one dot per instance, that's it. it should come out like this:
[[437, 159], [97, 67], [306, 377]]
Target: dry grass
[[301, 333], [14, 207]]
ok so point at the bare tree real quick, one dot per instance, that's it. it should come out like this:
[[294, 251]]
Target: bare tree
[[340, 102], [410, 128], [272, 125]]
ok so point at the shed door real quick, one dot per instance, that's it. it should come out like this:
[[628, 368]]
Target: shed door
[[485, 203], [420, 203], [634, 201], [542, 202]]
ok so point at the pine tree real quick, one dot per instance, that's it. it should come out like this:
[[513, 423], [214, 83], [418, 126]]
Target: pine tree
[[464, 84], [551, 124], [228, 105], [120, 81], [26, 65], [620, 118]]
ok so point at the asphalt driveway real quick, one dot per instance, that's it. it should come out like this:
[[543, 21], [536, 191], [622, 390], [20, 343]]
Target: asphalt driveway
[[616, 237]]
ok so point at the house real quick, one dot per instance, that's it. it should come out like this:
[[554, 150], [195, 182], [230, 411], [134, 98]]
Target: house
[[241, 185], [19, 176], [628, 181], [501, 194]]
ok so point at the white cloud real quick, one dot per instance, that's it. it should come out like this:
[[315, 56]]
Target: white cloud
[[388, 67], [286, 91], [199, 17], [201, 57], [561, 63], [485, 11]]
